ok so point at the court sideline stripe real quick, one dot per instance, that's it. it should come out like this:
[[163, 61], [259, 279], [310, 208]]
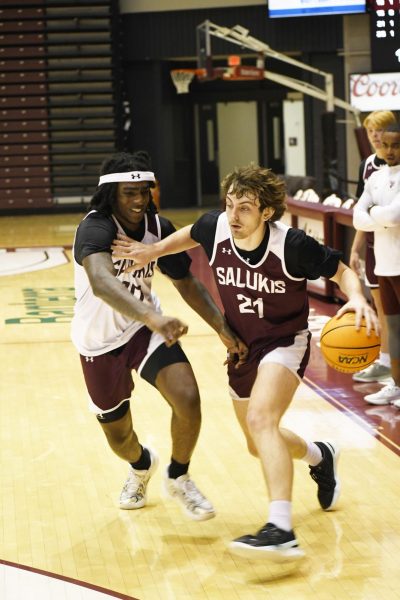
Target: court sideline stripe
[[353, 415], [77, 582]]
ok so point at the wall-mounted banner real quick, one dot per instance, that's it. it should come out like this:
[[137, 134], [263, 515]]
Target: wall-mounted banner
[[375, 91]]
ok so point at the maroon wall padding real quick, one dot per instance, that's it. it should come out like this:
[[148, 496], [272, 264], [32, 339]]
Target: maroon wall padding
[[363, 144], [61, 101], [24, 138]]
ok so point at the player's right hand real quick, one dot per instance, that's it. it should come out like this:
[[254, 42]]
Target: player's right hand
[[169, 327], [237, 350]]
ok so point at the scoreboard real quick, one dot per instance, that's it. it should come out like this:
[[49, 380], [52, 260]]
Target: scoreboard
[[385, 35]]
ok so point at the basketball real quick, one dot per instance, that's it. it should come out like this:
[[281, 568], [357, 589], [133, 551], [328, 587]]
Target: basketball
[[346, 349]]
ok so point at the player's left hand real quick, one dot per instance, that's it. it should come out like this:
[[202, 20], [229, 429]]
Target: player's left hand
[[361, 308]]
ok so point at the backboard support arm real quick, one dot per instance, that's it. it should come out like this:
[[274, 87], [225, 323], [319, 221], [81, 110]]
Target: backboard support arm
[[240, 36]]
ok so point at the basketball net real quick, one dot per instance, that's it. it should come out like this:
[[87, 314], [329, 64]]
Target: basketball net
[[182, 78]]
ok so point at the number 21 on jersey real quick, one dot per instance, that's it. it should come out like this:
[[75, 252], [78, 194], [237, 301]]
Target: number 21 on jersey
[[248, 305]]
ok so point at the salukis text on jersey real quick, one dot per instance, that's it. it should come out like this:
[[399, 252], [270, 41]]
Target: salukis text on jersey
[[241, 278]]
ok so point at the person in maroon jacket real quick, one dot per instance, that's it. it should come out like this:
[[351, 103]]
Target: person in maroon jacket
[[261, 268]]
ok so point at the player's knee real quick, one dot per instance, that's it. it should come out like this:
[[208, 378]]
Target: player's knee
[[187, 403], [258, 420]]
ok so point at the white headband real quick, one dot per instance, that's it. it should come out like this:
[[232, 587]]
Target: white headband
[[131, 176]]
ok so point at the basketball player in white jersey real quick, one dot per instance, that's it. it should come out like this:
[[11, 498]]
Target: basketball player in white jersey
[[378, 210], [374, 123], [118, 326], [261, 268]]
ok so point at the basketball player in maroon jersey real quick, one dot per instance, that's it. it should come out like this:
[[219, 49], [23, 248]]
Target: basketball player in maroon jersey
[[374, 123], [261, 268], [118, 326]]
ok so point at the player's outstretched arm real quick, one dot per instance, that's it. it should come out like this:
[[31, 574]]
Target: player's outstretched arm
[[349, 284], [197, 297], [101, 273], [142, 254]]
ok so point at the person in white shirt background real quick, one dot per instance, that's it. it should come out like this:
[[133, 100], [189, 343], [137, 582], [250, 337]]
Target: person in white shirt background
[[378, 210], [374, 123]]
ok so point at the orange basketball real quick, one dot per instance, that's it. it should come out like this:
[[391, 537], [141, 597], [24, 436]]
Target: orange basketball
[[346, 349]]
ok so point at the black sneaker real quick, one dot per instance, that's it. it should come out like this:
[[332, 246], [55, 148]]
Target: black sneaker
[[270, 542], [325, 476]]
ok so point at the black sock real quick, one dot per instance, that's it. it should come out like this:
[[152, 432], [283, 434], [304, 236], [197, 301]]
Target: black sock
[[144, 461], [177, 469]]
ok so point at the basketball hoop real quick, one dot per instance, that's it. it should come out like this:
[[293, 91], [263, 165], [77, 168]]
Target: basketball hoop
[[182, 78]]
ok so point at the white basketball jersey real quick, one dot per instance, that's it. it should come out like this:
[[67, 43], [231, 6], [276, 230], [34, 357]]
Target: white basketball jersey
[[98, 328]]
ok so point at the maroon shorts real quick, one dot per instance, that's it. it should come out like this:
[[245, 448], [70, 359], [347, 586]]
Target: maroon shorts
[[371, 280], [390, 294], [292, 352], [108, 376]]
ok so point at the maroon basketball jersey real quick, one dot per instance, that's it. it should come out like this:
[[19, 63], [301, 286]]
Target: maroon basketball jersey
[[370, 166], [262, 302]]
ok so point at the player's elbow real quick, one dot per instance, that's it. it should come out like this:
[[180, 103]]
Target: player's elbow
[[358, 223], [101, 287], [186, 285], [336, 277]]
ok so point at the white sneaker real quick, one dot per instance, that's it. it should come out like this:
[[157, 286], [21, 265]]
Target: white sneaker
[[192, 501], [375, 372], [386, 395], [134, 492]]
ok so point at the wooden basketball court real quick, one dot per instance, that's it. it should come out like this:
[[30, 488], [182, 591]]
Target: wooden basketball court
[[62, 534]]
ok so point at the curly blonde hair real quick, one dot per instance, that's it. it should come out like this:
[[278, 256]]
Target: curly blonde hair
[[259, 183]]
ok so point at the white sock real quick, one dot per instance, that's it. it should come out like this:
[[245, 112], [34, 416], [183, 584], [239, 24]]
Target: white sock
[[280, 514], [313, 456], [384, 359]]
